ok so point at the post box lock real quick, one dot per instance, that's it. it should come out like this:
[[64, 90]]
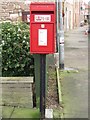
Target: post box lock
[[42, 25]]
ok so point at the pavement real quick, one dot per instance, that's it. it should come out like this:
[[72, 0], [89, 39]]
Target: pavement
[[75, 83]]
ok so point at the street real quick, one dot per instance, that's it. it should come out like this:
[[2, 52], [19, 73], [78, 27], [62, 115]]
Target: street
[[75, 84]]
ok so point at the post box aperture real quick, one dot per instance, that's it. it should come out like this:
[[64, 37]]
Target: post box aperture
[[42, 28]]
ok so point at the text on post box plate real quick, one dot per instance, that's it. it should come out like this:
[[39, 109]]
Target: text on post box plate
[[42, 18]]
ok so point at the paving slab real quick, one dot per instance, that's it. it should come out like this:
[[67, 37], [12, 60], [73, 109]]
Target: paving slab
[[75, 85], [15, 112], [25, 113], [18, 94], [7, 111]]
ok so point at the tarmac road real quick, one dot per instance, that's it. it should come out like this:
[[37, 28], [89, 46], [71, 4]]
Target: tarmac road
[[75, 85]]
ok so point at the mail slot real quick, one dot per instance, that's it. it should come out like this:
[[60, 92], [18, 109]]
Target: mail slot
[[42, 28]]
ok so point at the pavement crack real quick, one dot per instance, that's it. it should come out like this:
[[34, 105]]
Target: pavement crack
[[12, 113]]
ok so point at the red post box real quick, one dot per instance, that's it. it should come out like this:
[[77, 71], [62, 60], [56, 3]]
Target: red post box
[[42, 28]]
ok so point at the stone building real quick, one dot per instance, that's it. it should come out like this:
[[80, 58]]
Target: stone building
[[68, 15], [12, 10], [76, 13], [73, 15]]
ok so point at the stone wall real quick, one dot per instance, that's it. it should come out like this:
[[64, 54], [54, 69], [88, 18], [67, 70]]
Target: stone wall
[[17, 91], [11, 10]]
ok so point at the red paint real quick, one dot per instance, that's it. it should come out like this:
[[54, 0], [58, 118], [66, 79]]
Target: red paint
[[42, 14]]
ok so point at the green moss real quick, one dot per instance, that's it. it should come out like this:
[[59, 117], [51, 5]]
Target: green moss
[[20, 112], [6, 111], [64, 73], [26, 113], [58, 113]]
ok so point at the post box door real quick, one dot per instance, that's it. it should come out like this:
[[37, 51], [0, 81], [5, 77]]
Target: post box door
[[42, 38]]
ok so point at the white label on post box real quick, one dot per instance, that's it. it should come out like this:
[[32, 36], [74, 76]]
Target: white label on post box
[[42, 18], [42, 37]]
